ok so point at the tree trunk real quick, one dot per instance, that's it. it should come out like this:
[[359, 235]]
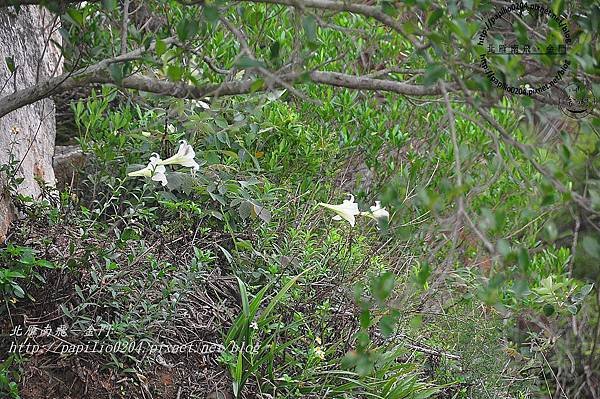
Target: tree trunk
[[27, 134]]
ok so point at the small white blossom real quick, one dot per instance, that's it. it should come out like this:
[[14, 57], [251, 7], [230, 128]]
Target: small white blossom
[[319, 352], [203, 104], [184, 157], [254, 325], [153, 170], [377, 212], [347, 210]]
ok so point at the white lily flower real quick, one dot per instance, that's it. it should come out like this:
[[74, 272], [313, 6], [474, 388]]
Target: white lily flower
[[184, 157], [377, 212], [347, 210], [153, 170]]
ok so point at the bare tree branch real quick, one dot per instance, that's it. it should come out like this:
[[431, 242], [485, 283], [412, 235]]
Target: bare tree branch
[[67, 81], [98, 73], [364, 83], [140, 82]]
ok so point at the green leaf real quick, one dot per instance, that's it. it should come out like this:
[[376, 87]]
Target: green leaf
[[263, 213], [548, 310], [274, 50], [434, 16], [174, 72], [382, 286], [586, 289], [387, 324], [246, 62], [389, 8], [66, 311], [244, 296], [116, 73], [257, 85], [129, 234], [422, 275], [591, 246], [161, 47], [433, 73], [503, 247], [558, 6], [46, 264], [277, 298], [109, 4], [211, 13], [245, 209], [365, 318], [79, 292], [186, 29], [309, 23], [180, 181], [17, 290], [237, 375], [10, 64], [521, 288], [523, 259], [76, 16]]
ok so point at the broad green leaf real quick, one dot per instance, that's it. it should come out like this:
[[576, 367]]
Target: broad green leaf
[[387, 324], [161, 47], [246, 62], [245, 209], [109, 4], [261, 212], [433, 73], [186, 29], [116, 73], [274, 50], [422, 275], [548, 310], [175, 72], [257, 85], [591, 246], [309, 23], [211, 13], [382, 286], [76, 16], [434, 16]]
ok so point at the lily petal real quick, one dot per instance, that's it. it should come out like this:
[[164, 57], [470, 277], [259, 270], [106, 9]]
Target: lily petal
[[377, 212], [153, 170], [347, 210], [159, 174], [184, 157], [145, 172]]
